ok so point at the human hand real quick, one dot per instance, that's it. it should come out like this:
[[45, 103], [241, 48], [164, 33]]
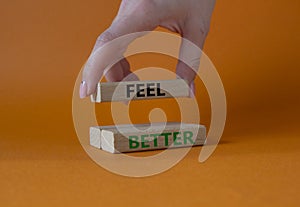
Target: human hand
[[189, 18]]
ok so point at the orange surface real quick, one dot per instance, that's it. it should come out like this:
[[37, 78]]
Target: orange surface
[[254, 45]]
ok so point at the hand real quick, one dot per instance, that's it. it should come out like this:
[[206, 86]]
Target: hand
[[189, 18]]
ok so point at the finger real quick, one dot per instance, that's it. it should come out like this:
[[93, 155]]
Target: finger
[[128, 75], [130, 19], [194, 35], [118, 71], [192, 89], [105, 57]]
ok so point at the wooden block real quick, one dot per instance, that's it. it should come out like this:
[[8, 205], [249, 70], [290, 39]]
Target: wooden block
[[95, 134], [172, 135], [138, 90]]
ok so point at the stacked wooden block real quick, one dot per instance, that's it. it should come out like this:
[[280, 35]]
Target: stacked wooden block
[[141, 137]]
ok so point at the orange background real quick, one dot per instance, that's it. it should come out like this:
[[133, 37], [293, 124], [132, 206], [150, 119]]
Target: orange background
[[253, 44]]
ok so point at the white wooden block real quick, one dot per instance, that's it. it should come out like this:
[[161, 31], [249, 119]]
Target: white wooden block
[[95, 134], [138, 90], [157, 136]]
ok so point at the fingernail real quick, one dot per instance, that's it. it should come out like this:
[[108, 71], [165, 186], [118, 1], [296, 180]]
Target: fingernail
[[83, 90]]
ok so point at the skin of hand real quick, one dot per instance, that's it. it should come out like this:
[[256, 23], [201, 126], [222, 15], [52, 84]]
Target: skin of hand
[[189, 18]]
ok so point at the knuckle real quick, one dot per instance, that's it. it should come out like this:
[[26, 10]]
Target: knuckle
[[204, 27], [105, 37]]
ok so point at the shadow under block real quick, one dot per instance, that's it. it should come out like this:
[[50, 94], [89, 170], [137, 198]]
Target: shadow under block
[[143, 137], [138, 90]]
